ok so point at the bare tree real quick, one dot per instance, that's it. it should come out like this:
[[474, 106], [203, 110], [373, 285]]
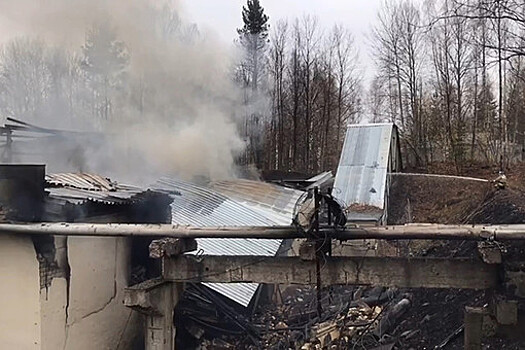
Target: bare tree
[[278, 55], [398, 43], [315, 92], [25, 80], [348, 80], [378, 100], [309, 55], [105, 59], [453, 58]]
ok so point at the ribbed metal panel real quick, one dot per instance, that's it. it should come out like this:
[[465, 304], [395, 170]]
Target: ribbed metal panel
[[201, 206], [78, 188], [239, 246], [241, 293], [275, 203], [362, 171], [232, 203], [90, 182], [78, 196], [322, 180]]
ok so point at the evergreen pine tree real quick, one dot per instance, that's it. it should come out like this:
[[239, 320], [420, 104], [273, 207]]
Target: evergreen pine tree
[[253, 37], [255, 20]]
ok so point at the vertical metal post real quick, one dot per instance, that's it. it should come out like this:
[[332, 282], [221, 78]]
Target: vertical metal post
[[329, 239], [329, 215], [318, 252]]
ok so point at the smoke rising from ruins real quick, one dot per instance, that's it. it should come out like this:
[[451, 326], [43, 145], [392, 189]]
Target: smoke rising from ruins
[[162, 97]]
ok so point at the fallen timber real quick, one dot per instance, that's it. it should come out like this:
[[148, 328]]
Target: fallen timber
[[396, 232]]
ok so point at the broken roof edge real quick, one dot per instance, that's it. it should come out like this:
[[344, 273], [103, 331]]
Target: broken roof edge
[[370, 125], [232, 205], [83, 188]]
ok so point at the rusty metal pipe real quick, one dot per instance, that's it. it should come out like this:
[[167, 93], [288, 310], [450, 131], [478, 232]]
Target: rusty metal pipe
[[409, 231]]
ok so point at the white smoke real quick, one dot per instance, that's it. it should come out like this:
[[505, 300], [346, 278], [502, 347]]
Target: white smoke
[[174, 106]]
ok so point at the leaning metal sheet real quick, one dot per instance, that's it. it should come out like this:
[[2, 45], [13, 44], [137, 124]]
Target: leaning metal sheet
[[361, 175]]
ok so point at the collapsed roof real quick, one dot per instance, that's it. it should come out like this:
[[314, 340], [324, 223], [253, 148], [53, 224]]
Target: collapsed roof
[[233, 203]]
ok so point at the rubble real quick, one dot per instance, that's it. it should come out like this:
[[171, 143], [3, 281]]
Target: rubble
[[346, 320]]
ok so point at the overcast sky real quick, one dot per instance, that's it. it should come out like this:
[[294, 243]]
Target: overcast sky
[[224, 16]]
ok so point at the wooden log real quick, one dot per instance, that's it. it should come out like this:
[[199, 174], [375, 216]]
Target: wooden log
[[435, 231], [150, 230], [397, 272]]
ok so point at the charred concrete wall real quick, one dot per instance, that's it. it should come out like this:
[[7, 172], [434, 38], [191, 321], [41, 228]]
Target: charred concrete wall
[[77, 310], [86, 312]]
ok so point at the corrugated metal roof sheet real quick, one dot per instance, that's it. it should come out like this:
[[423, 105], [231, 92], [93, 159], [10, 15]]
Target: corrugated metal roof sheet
[[232, 203], [202, 206], [321, 180], [275, 203], [77, 188], [241, 293], [361, 175], [84, 181]]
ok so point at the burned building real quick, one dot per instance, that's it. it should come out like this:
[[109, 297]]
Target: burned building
[[65, 282]]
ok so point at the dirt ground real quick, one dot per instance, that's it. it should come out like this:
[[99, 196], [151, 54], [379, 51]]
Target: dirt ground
[[514, 172], [437, 314]]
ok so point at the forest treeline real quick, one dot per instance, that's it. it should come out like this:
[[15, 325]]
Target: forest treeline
[[313, 85], [449, 73]]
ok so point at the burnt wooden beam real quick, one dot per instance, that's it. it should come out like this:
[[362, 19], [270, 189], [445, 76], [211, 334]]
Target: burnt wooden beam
[[398, 272]]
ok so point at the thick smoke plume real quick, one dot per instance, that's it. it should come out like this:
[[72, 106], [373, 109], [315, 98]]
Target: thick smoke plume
[[155, 92]]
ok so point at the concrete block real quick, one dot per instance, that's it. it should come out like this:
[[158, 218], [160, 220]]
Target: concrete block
[[507, 312]]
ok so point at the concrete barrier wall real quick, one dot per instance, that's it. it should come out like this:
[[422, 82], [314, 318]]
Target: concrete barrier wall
[[19, 294], [86, 313]]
